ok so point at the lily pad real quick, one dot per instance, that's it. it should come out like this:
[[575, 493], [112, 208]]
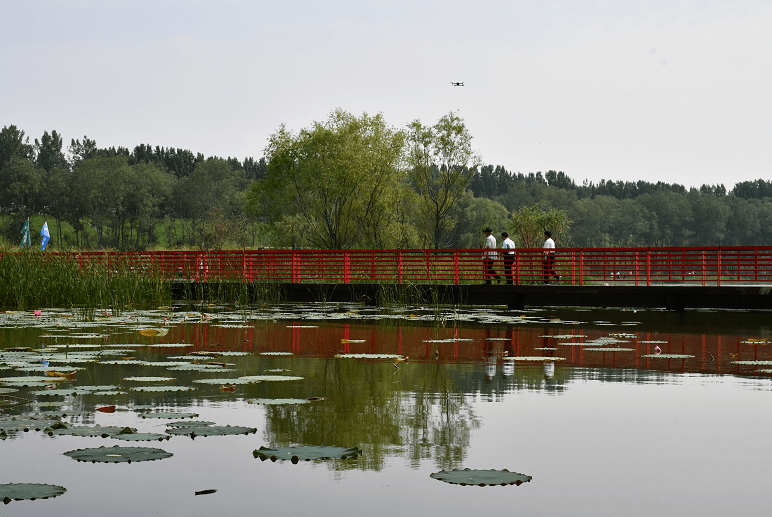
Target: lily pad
[[481, 477], [162, 388], [669, 356], [207, 430], [29, 491], [90, 431], [224, 381], [609, 349], [118, 454], [268, 378], [141, 437], [757, 363], [149, 379], [307, 453], [26, 424], [190, 423], [169, 415], [269, 402], [391, 357], [534, 358]]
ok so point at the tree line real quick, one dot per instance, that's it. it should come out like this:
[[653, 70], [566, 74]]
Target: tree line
[[347, 182]]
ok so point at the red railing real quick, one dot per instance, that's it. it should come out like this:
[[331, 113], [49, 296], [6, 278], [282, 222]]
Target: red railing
[[576, 266]]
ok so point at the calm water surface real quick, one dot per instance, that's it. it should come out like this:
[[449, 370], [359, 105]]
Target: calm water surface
[[601, 432]]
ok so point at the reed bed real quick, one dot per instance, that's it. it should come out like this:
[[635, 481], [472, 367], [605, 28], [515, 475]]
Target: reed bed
[[31, 279]]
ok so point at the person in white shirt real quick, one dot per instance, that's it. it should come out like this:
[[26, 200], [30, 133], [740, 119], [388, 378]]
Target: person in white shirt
[[549, 258], [509, 257], [489, 256]]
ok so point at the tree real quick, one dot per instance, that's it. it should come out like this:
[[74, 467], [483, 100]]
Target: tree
[[340, 179], [442, 165], [13, 144], [530, 223], [48, 152]]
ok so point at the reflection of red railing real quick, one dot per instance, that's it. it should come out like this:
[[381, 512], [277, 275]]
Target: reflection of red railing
[[576, 266]]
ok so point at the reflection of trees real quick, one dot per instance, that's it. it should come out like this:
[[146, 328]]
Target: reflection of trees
[[383, 410]]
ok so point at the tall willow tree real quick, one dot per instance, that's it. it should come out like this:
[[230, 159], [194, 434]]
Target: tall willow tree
[[339, 182], [442, 165]]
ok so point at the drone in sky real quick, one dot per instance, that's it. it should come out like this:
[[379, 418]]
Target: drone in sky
[[457, 84]]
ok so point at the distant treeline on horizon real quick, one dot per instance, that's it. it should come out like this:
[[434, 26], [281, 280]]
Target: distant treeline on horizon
[[193, 197]]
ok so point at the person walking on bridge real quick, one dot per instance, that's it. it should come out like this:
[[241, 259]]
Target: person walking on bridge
[[548, 264], [489, 256], [509, 257]]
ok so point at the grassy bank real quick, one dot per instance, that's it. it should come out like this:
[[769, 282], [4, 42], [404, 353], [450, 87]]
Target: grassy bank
[[30, 280]]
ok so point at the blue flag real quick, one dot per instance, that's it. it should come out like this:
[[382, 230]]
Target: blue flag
[[25, 238], [46, 236]]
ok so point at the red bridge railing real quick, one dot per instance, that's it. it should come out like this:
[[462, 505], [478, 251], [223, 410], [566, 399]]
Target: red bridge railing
[[576, 266]]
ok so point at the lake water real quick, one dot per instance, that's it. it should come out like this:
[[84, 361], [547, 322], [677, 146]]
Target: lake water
[[601, 428]]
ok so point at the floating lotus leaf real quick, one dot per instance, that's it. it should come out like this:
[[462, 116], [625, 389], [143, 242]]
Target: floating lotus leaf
[[609, 349], [307, 453], [199, 368], [124, 362], [224, 381], [149, 379], [169, 415], [206, 430], [4, 391], [480, 477], [757, 363], [162, 388], [24, 381], [534, 358], [669, 356], [111, 393], [26, 424], [89, 389], [391, 357], [190, 423], [118, 454], [29, 491], [57, 392], [275, 353], [205, 353], [90, 431], [154, 332], [165, 345], [653, 341], [269, 402], [141, 437], [269, 378]]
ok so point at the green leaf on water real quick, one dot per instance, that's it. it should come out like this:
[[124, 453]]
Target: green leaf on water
[[207, 430], [307, 453], [118, 454], [29, 491], [480, 477]]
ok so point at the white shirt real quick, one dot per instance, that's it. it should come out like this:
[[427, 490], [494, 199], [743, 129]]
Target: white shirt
[[549, 244], [508, 244], [490, 242]]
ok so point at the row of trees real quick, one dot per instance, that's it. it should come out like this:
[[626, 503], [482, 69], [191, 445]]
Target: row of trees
[[349, 182]]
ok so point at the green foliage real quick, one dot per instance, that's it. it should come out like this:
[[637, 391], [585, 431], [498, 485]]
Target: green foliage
[[441, 164], [530, 223], [35, 279], [334, 185]]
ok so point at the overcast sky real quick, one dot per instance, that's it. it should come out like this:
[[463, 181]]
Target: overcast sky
[[664, 90]]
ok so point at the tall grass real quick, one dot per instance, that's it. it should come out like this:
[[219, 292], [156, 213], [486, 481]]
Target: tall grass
[[31, 279]]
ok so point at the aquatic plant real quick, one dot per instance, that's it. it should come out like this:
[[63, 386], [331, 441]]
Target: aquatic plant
[[34, 279], [28, 491], [481, 477], [307, 453], [118, 454]]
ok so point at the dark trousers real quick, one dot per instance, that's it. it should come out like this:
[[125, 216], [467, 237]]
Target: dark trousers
[[489, 272], [509, 263], [548, 268]]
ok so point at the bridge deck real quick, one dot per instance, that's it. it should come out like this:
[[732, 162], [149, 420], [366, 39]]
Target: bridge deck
[[673, 297]]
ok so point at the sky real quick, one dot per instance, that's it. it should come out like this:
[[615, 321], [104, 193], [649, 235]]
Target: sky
[[678, 91]]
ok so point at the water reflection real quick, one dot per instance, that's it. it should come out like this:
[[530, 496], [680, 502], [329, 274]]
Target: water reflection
[[449, 396]]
